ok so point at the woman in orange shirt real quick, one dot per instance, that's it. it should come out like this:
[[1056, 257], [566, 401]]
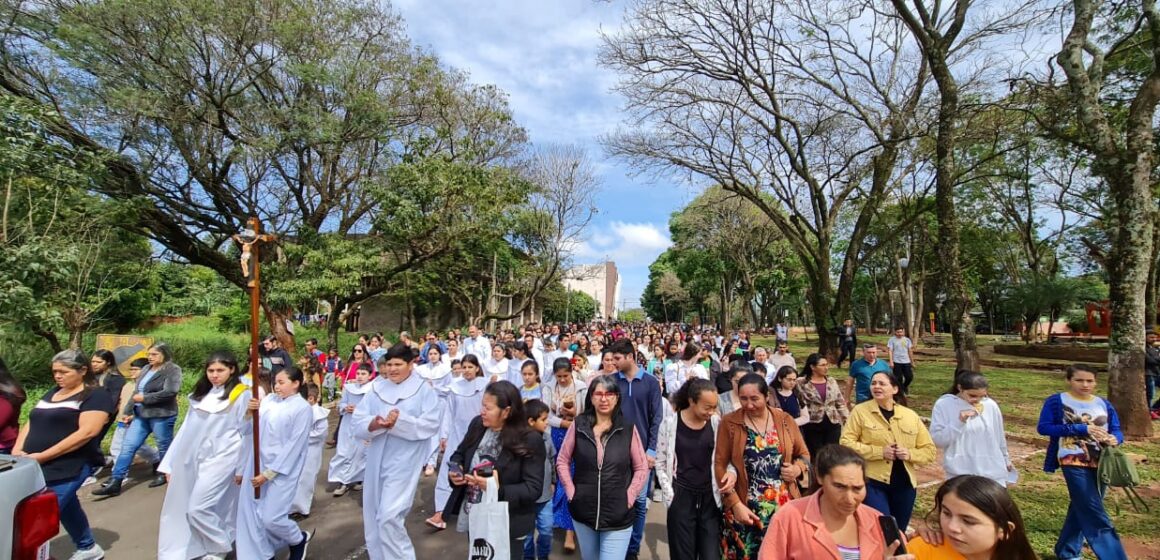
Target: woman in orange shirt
[[973, 518], [832, 523]]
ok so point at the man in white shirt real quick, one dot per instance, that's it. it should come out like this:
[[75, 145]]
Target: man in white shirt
[[477, 343], [900, 354]]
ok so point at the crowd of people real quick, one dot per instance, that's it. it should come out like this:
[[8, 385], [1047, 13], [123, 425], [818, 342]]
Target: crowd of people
[[578, 428]]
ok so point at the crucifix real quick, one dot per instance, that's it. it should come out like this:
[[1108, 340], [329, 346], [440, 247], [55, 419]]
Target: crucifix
[[250, 240]]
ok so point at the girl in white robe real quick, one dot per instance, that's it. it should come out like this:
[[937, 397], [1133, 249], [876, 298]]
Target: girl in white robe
[[264, 524], [400, 415], [495, 367], [454, 352], [464, 401], [350, 454], [304, 497], [438, 376], [197, 517]]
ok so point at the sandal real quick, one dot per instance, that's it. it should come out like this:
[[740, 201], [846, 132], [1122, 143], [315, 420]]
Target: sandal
[[437, 526], [429, 471]]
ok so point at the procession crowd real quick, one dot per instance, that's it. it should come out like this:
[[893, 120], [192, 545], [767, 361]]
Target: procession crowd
[[754, 452]]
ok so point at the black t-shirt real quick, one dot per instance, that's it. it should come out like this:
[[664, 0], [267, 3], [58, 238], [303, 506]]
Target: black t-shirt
[[51, 422], [694, 451], [898, 474]]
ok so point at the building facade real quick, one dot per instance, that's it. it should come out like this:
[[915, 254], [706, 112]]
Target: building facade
[[601, 282]]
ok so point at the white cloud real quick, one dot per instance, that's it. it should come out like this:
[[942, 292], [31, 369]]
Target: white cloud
[[627, 244]]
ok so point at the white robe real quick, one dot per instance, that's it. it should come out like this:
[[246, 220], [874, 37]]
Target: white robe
[[264, 525], [350, 453], [515, 371], [464, 401], [197, 517], [304, 496], [977, 446], [394, 460], [439, 377], [499, 370], [679, 372]]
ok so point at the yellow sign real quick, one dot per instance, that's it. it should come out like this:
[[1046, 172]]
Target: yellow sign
[[932, 316], [125, 348]]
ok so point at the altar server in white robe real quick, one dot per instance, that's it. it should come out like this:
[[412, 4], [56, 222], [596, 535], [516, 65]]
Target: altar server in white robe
[[197, 517], [264, 524], [400, 415], [304, 497], [464, 401], [350, 454], [437, 373]]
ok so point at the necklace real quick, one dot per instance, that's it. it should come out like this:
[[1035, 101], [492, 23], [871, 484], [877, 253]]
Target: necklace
[[765, 422]]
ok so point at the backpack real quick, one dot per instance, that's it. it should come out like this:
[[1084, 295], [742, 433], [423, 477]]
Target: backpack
[[1116, 470]]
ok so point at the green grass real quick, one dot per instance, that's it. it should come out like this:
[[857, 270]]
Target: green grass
[[1042, 497]]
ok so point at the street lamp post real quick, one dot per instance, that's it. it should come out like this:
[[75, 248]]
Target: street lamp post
[[250, 241], [894, 293]]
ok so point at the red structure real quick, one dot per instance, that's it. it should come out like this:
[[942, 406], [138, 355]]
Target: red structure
[[1099, 318]]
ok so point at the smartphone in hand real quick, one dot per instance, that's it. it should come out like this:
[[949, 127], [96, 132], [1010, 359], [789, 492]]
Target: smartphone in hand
[[890, 533]]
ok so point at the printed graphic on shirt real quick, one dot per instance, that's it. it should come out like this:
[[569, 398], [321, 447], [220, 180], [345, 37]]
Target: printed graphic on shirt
[[1082, 451]]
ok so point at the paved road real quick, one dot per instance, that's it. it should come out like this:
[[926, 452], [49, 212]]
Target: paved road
[[126, 526]]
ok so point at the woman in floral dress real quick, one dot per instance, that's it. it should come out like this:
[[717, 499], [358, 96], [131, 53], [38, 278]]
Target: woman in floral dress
[[764, 462]]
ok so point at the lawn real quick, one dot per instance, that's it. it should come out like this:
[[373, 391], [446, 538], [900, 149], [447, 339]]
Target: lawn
[[1042, 497]]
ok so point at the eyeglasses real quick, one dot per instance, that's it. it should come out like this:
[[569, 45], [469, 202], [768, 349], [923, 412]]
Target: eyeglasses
[[603, 395]]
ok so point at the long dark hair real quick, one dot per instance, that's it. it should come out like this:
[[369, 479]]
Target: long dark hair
[[811, 362], [691, 391], [515, 429], [473, 360], [10, 388], [203, 385], [995, 502], [107, 357]]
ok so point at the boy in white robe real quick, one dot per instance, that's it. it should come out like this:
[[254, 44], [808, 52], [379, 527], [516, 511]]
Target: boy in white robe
[[304, 497], [400, 414]]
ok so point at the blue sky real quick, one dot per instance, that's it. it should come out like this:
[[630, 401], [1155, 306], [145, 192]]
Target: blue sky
[[543, 53]]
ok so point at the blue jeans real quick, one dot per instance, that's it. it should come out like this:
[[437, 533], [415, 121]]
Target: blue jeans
[[75, 522], [641, 515], [1150, 389], [1087, 519], [896, 499], [139, 430], [602, 545], [545, 518]]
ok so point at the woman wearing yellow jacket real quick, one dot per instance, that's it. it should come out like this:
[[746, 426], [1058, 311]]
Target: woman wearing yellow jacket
[[893, 441]]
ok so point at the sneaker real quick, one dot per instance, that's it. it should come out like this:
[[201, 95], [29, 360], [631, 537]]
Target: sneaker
[[357, 487], [340, 491], [656, 496], [298, 551], [213, 557], [94, 552], [89, 481]]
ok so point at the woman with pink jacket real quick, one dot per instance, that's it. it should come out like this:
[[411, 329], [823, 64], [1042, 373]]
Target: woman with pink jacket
[[832, 523]]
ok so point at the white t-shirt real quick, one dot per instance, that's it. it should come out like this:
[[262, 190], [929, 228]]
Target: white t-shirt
[[899, 349]]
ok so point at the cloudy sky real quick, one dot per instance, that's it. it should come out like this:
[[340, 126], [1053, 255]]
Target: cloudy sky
[[543, 54]]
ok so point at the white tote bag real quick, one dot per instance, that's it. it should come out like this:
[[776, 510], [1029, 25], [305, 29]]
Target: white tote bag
[[488, 526]]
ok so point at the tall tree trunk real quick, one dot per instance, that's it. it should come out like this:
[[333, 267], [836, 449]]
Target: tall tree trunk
[[277, 321], [53, 340], [959, 300]]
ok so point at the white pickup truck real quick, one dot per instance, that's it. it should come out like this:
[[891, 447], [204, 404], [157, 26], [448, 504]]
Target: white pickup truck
[[28, 512]]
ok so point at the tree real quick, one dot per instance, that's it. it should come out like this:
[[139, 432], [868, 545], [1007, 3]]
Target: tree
[[207, 112], [64, 267], [945, 37], [1112, 121], [564, 305], [786, 104], [632, 316]]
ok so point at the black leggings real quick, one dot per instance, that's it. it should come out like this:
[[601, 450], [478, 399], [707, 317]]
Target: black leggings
[[847, 351], [820, 434]]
